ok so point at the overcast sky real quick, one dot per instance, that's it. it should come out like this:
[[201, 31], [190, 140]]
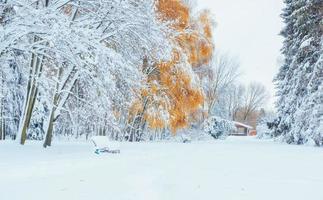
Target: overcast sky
[[249, 30]]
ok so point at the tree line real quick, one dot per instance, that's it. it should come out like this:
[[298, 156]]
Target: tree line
[[129, 69]]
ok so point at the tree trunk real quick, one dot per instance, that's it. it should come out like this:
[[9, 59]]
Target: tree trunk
[[49, 132], [4, 130], [31, 95], [36, 65], [2, 133], [1, 130], [137, 125]]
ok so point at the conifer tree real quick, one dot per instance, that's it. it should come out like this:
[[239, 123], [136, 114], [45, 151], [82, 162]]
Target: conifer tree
[[299, 81]]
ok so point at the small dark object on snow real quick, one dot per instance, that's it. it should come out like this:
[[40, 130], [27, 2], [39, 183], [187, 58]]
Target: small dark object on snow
[[186, 141], [106, 150], [104, 145]]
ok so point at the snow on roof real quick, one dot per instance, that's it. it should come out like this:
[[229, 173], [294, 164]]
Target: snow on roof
[[243, 125]]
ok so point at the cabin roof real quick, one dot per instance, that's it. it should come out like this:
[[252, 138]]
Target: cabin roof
[[242, 125]]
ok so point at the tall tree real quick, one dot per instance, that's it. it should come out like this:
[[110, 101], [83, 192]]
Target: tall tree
[[173, 93], [300, 77], [218, 78]]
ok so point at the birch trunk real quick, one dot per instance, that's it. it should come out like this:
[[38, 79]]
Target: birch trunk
[[1, 124], [31, 95], [49, 134], [59, 100], [50, 127], [2, 133], [36, 66], [138, 123]]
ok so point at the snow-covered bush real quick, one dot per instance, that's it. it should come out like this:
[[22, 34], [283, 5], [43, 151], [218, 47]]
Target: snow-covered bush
[[218, 128], [265, 126], [263, 132]]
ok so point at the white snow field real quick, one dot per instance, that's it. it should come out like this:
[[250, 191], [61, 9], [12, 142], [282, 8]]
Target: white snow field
[[239, 168]]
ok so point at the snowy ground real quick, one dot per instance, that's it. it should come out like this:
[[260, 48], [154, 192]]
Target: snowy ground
[[235, 169]]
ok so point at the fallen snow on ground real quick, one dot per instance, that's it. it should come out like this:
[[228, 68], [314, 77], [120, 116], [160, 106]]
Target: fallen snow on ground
[[239, 168]]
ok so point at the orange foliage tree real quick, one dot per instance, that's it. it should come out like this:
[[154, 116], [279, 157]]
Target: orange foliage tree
[[173, 93]]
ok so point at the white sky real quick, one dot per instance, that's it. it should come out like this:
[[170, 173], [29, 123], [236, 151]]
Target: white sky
[[249, 30]]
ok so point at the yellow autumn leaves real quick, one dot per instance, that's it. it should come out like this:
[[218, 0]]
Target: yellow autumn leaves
[[172, 95]]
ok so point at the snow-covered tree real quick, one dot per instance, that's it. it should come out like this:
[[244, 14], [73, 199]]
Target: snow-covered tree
[[99, 45], [172, 94], [219, 128], [300, 78], [219, 78]]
